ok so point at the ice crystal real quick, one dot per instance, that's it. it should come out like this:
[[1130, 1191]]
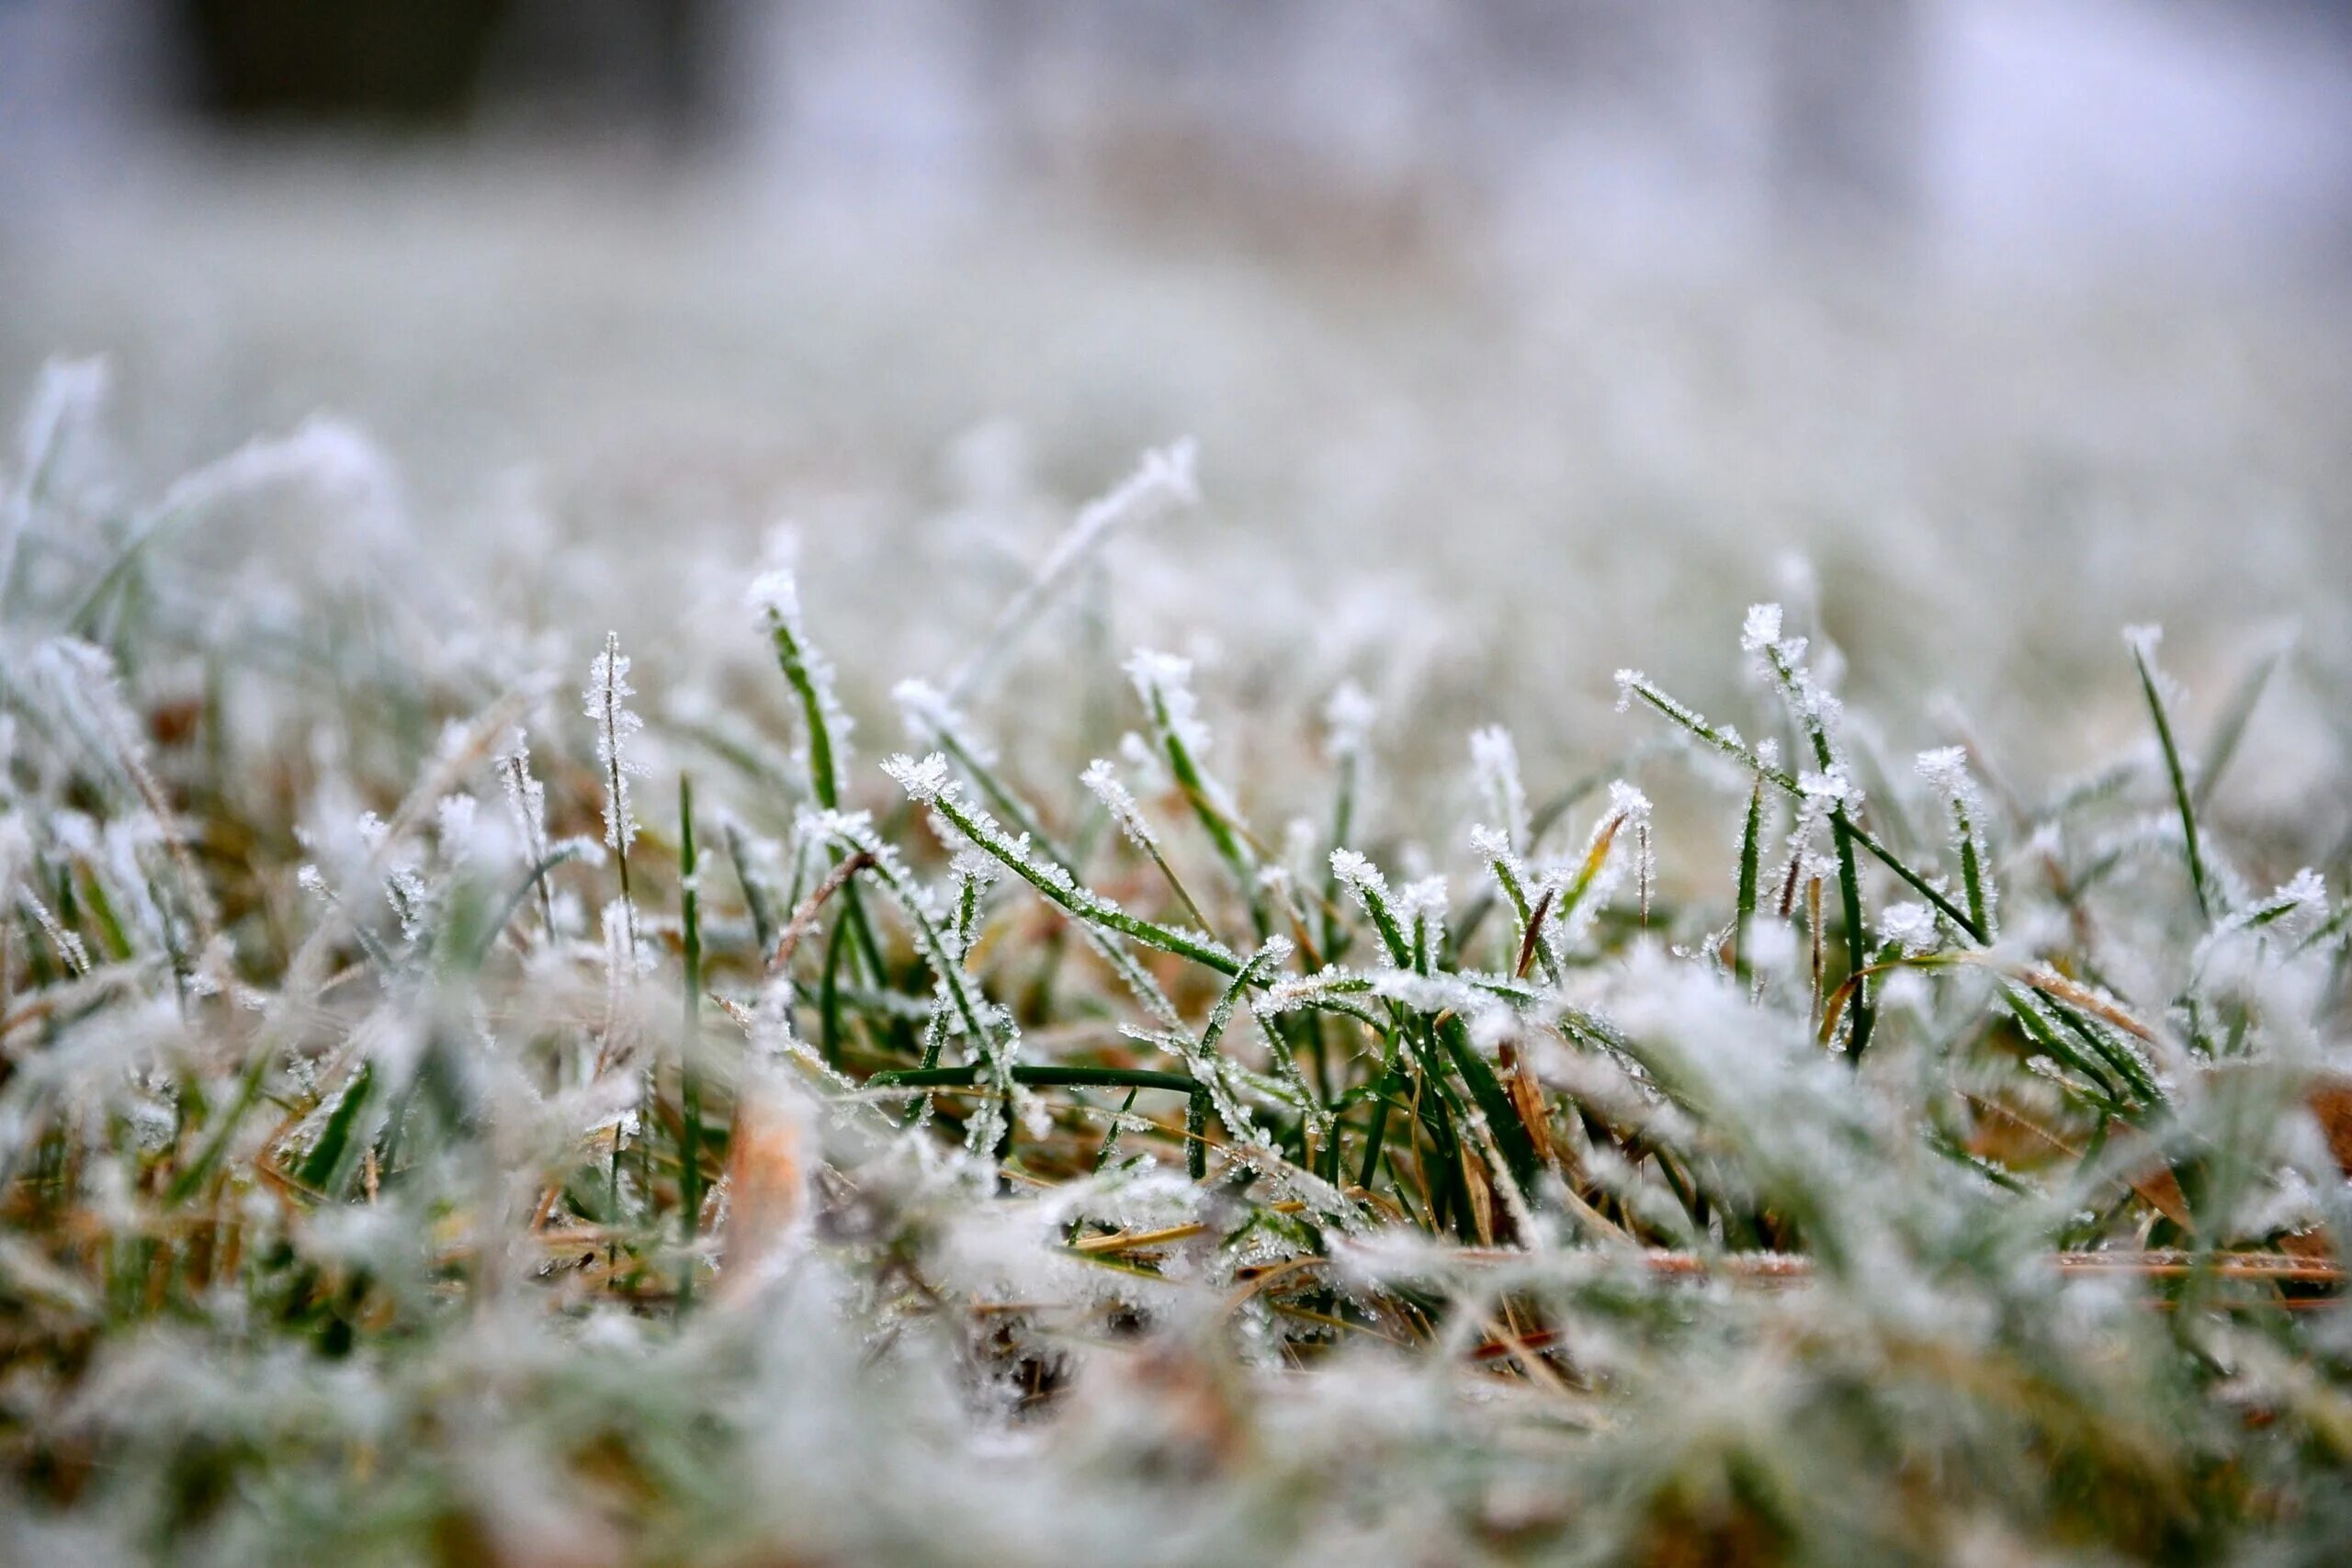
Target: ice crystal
[[1909, 926], [1101, 781], [1762, 628], [605, 703], [1164, 682], [923, 781]]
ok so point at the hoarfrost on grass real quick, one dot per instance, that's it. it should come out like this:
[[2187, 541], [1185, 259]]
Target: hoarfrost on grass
[[411, 1189]]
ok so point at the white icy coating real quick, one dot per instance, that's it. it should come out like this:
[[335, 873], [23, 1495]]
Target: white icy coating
[[1101, 781], [1358, 875], [1832, 787], [987, 1029], [1164, 682], [525, 796], [1424, 898], [774, 597], [1627, 802], [929, 783], [923, 781], [1946, 771], [605, 701], [1911, 926], [1347, 718], [1631, 808]]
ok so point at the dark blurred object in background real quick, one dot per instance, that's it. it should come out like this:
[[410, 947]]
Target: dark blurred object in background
[[2023, 134], [392, 60], [421, 63]]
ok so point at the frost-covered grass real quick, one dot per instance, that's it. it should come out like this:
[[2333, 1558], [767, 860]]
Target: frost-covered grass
[[465, 1099]]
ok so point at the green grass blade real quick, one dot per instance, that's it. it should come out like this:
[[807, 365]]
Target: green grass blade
[[933, 788], [2142, 642], [1751, 850], [689, 1041], [328, 1164]]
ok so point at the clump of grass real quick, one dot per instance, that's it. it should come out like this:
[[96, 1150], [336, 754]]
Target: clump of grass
[[1786, 1204]]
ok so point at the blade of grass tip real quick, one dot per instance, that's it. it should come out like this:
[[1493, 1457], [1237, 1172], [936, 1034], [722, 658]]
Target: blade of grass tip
[[930, 714], [929, 784], [1365, 880], [1531, 944], [1625, 803], [1752, 849], [1633, 685], [607, 702], [1545, 817], [996, 1049], [689, 1041], [527, 800], [1103, 781], [2141, 641], [775, 596], [1164, 683], [1813, 707], [1972, 870], [1947, 771], [1505, 867]]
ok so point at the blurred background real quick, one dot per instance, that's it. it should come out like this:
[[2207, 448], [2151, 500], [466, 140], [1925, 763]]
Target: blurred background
[[1524, 339]]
